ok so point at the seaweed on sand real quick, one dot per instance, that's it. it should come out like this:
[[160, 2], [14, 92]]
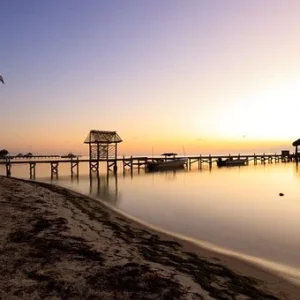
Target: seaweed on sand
[[218, 280], [40, 258]]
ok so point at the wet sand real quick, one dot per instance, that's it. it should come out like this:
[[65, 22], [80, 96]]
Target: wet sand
[[58, 244]]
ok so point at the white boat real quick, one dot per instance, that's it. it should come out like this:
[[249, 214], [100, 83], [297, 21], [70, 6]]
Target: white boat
[[166, 163], [231, 162]]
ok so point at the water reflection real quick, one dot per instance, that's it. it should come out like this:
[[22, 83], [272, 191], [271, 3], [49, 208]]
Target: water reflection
[[297, 170], [75, 179], [171, 175], [105, 187]]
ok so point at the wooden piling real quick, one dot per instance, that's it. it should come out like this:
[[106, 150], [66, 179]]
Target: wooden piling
[[32, 166], [8, 168], [124, 164], [54, 169], [74, 164]]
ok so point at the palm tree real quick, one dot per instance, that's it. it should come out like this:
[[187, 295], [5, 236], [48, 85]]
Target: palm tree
[[3, 152]]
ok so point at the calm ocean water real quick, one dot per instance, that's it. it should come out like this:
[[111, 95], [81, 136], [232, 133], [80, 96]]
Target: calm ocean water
[[236, 210]]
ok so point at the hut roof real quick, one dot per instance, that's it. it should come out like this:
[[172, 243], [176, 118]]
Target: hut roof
[[100, 136], [296, 143]]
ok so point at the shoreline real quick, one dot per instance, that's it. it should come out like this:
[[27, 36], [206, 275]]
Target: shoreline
[[282, 271], [279, 270], [81, 232]]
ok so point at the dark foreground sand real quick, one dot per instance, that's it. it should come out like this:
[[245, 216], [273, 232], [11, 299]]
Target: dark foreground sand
[[57, 244]]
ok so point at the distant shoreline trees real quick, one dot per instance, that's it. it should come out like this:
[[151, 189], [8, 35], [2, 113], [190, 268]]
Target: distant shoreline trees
[[3, 152]]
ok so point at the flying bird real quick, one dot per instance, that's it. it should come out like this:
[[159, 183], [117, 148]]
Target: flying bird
[[1, 79]]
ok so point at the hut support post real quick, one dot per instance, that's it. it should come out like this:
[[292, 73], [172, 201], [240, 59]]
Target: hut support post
[[90, 157], [54, 169], [94, 159], [116, 155]]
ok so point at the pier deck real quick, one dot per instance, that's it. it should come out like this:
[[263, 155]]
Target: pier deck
[[131, 162]]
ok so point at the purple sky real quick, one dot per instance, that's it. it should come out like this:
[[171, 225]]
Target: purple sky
[[159, 72]]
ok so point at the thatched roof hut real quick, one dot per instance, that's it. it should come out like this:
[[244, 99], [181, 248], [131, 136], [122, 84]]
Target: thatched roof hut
[[103, 145], [102, 137]]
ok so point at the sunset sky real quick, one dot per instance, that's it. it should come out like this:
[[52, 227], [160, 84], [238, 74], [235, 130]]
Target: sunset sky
[[210, 76]]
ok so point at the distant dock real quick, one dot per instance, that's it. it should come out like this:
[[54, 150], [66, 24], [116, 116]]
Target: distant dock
[[133, 162], [20, 157]]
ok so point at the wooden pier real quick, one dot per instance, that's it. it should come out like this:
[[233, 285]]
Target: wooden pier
[[136, 162]]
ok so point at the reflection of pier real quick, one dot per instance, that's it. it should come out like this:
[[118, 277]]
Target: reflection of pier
[[105, 187], [171, 174]]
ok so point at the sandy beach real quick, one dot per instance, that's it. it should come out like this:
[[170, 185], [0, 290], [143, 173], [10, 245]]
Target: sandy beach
[[58, 244]]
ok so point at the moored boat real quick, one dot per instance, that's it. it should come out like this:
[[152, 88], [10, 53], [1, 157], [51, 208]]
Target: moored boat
[[157, 165], [169, 162], [231, 162]]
